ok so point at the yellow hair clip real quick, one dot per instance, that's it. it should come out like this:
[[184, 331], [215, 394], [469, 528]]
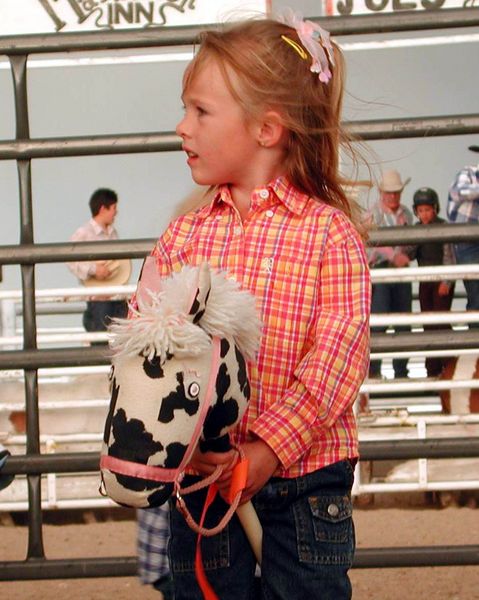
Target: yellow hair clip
[[299, 49]]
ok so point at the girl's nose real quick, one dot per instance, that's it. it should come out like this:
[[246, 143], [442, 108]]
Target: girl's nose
[[181, 128]]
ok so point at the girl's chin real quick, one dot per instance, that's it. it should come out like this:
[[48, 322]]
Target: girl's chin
[[201, 179]]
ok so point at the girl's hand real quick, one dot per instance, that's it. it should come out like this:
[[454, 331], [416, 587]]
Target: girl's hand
[[206, 462], [262, 464]]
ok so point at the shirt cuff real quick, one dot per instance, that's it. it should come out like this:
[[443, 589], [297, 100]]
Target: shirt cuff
[[291, 440]]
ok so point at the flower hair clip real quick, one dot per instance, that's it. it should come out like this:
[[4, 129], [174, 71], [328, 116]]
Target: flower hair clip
[[314, 39]]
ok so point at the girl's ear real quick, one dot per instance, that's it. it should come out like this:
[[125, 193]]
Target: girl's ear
[[271, 131]]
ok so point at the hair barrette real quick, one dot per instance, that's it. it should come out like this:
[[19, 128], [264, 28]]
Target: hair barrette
[[299, 49], [314, 39]]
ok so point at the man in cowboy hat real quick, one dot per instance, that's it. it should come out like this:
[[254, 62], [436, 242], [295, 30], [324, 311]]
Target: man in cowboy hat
[[390, 297], [463, 207], [103, 206]]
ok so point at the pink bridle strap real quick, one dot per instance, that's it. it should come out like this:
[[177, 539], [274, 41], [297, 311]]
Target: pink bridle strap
[[241, 469], [161, 474], [133, 469], [205, 405]]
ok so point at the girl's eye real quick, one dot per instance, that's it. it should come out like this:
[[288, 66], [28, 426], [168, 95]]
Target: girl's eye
[[200, 110]]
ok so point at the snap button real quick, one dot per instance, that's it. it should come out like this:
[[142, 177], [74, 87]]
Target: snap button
[[269, 213], [333, 510], [237, 230], [264, 194], [218, 217]]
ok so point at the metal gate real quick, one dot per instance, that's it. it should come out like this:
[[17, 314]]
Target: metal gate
[[27, 253]]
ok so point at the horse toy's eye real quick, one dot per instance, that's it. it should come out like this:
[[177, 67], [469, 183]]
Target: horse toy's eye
[[193, 390]]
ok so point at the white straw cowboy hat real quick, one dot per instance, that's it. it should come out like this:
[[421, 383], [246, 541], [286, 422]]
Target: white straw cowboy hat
[[391, 182], [120, 274]]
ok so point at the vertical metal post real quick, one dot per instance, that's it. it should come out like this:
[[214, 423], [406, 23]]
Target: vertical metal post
[[35, 539]]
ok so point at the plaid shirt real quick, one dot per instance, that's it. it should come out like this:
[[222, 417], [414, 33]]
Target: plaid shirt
[[152, 543], [306, 265], [463, 202]]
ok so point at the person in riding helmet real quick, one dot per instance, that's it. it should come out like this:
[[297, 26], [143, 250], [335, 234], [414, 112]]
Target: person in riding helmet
[[433, 295]]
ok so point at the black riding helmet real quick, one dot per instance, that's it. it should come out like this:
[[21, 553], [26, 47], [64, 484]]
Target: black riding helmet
[[425, 195]]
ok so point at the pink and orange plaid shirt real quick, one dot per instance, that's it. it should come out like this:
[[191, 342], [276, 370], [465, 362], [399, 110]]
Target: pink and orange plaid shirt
[[306, 265]]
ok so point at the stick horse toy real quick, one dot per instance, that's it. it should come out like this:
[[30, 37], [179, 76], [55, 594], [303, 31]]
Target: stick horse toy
[[179, 378]]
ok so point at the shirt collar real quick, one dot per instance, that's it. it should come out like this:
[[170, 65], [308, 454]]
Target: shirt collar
[[279, 190], [400, 211], [97, 228]]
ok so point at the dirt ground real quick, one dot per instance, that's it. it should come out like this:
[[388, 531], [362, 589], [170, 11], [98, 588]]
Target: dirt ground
[[376, 526]]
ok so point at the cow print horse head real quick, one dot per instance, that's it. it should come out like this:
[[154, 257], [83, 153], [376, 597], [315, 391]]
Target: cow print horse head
[[179, 377]]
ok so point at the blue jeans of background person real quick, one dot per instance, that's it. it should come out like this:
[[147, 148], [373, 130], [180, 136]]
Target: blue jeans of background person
[[98, 313], [467, 254], [391, 298], [308, 541]]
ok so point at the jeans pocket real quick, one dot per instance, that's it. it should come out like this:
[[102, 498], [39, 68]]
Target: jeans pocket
[[324, 530], [215, 550], [331, 518]]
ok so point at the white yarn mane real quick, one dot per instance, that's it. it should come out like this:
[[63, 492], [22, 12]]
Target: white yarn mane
[[161, 325]]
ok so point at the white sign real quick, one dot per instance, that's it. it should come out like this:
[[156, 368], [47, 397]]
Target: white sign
[[46, 16], [361, 7]]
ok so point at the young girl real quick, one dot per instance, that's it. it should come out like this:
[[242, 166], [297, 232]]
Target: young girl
[[262, 125]]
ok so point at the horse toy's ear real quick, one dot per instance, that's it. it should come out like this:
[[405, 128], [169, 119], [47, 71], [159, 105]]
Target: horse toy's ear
[[165, 319], [201, 293], [148, 283]]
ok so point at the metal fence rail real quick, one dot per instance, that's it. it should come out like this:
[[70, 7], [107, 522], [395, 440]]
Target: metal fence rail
[[154, 37], [365, 558], [23, 149], [126, 566], [30, 253]]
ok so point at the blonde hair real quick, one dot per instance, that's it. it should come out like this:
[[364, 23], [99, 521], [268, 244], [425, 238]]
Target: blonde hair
[[272, 75]]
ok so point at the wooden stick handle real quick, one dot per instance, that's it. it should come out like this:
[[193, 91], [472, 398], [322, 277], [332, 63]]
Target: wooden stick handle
[[252, 527]]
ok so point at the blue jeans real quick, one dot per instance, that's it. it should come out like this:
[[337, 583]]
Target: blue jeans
[[468, 254], [308, 541], [165, 586], [391, 298]]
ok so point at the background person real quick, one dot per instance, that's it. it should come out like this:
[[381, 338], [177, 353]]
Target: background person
[[152, 545], [390, 297], [104, 208], [433, 295], [463, 207]]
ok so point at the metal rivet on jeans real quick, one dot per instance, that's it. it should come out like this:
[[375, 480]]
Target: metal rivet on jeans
[[333, 510]]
